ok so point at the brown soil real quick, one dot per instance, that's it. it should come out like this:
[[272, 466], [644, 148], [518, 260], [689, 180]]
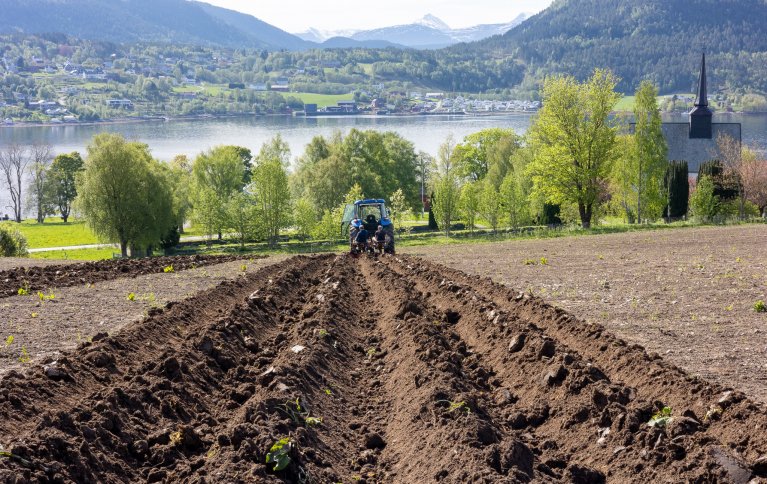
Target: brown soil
[[419, 373], [43, 328], [35, 278], [686, 294]]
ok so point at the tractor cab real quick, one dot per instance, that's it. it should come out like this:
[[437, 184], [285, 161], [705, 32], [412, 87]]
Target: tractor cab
[[371, 213]]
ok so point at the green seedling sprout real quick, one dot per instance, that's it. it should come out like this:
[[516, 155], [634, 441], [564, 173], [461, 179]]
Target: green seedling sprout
[[312, 421], [23, 292], [244, 268], [9, 341], [760, 307], [455, 406], [328, 392], [661, 418], [131, 296], [279, 454], [24, 358], [168, 269], [544, 261]]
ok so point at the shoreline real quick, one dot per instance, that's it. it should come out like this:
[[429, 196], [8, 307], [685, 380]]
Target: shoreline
[[202, 117]]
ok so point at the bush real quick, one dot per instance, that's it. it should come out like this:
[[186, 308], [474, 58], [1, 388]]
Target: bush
[[12, 243], [704, 204]]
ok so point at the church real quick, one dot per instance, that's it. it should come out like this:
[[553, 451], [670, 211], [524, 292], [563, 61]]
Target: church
[[695, 141]]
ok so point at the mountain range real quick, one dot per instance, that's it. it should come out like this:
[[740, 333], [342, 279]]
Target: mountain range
[[429, 32], [660, 40], [194, 22]]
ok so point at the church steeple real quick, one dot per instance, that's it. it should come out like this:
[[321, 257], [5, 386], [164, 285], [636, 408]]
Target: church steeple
[[701, 116], [702, 99]]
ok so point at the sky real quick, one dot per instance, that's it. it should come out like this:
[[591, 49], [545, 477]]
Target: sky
[[299, 15]]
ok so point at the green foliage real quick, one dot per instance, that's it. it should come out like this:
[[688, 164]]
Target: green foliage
[[124, 194], [651, 150], [209, 212], [705, 205], [380, 163], [490, 205], [470, 203], [131, 296], [304, 217], [270, 187], [574, 141], [168, 269], [760, 307], [9, 341], [279, 454], [216, 175], [242, 217], [61, 181], [12, 242], [399, 208], [181, 180], [661, 418], [446, 188], [474, 156], [514, 202]]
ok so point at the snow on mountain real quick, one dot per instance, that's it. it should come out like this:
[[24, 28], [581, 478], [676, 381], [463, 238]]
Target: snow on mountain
[[428, 32]]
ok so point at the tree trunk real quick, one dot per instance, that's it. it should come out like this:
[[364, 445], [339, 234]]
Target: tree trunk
[[65, 218], [124, 248], [585, 212]]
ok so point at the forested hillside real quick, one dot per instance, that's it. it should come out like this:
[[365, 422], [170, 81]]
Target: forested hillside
[[173, 21], [660, 40]]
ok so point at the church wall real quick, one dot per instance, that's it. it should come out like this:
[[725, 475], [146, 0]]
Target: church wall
[[696, 151]]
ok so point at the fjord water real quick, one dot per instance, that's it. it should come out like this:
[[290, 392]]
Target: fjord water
[[189, 137]]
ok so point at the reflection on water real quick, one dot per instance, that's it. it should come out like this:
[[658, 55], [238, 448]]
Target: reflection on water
[[167, 139]]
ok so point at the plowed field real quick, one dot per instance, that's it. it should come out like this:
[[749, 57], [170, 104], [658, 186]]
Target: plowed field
[[34, 278], [375, 370]]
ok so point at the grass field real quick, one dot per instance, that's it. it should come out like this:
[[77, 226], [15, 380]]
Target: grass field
[[54, 233], [78, 254]]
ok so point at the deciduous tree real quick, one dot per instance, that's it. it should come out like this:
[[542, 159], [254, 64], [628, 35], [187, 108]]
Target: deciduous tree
[[651, 151], [61, 180], [218, 172], [39, 192], [124, 194], [14, 163], [446, 187], [270, 187], [574, 138]]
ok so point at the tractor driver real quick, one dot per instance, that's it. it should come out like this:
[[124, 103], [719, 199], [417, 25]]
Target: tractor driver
[[371, 223]]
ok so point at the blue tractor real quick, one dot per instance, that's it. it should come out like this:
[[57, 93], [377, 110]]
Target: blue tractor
[[368, 214]]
